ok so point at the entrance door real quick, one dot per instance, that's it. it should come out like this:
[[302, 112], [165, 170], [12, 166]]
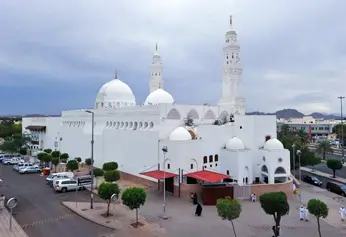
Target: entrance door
[[170, 185]]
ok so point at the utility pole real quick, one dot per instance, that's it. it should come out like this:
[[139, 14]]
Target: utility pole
[[342, 129]]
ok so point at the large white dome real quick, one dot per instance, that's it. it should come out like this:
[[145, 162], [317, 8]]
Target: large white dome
[[115, 94], [180, 134], [235, 143], [159, 96], [273, 144]]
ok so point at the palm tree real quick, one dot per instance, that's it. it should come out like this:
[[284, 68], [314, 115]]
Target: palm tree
[[324, 147], [303, 137]]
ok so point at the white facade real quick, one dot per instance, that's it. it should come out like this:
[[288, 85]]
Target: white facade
[[220, 138]]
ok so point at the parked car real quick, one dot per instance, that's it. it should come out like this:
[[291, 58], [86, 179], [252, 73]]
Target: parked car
[[23, 165], [336, 188], [13, 161], [63, 175], [312, 180], [29, 169], [64, 185]]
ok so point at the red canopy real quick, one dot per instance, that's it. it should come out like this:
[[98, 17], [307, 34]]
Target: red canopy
[[207, 176], [159, 174]]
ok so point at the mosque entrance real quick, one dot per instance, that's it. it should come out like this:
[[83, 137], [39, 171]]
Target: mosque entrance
[[170, 185]]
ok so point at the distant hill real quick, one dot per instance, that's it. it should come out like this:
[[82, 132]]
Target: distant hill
[[293, 113]]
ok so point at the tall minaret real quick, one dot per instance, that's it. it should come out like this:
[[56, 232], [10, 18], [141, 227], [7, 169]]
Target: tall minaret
[[156, 81], [231, 72]]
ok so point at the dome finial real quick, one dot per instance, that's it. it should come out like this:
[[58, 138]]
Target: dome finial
[[230, 20], [116, 74], [156, 47]]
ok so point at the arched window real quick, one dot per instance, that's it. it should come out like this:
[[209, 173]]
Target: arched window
[[210, 158], [280, 170], [216, 158], [205, 159], [264, 169]]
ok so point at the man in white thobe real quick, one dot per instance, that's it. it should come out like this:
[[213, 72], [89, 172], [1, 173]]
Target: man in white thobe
[[307, 214], [301, 213], [342, 213]]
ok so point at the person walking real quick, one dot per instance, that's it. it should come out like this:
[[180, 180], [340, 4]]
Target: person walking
[[342, 213], [307, 214], [301, 213]]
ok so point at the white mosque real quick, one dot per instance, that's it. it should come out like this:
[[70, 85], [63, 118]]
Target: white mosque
[[209, 143]]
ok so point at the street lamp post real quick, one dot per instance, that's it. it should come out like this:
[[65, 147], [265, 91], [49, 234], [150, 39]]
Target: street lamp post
[[342, 128], [294, 160], [92, 158], [299, 153], [164, 150]]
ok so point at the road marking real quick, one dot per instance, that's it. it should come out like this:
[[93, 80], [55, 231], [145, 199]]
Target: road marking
[[41, 222]]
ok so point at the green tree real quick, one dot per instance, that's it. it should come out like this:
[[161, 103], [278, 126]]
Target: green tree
[[338, 131], [275, 204], [88, 161], [40, 157], [106, 191], [55, 154], [303, 137], [111, 175], [229, 209], [334, 165], [72, 165], [23, 151], [134, 198], [110, 166], [55, 162], [313, 160], [324, 147], [98, 173], [320, 210], [49, 151], [78, 159], [64, 157]]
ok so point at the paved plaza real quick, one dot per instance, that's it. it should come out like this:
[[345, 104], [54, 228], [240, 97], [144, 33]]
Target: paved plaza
[[252, 222]]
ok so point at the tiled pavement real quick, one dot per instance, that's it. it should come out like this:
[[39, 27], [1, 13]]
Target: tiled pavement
[[252, 222], [16, 230]]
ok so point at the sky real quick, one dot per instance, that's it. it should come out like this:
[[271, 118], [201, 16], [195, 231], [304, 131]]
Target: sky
[[56, 55]]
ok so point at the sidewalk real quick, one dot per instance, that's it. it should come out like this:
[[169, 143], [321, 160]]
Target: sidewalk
[[333, 201], [16, 231], [328, 176], [120, 219]]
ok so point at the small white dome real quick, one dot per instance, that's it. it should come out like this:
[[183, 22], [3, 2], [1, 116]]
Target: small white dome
[[159, 96], [115, 94], [273, 144], [180, 134], [235, 143]]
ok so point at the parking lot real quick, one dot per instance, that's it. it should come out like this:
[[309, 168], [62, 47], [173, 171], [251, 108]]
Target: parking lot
[[39, 209]]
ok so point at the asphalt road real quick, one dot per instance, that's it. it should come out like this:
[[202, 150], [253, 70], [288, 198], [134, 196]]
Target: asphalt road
[[39, 209]]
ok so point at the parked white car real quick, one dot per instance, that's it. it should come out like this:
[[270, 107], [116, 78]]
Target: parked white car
[[64, 185], [63, 175], [23, 165], [13, 161]]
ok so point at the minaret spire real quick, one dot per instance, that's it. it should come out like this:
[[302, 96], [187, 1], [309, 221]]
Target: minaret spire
[[156, 81], [232, 71]]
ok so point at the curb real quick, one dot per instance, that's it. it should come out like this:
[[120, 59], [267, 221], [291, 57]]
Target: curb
[[326, 177], [14, 221], [88, 219]]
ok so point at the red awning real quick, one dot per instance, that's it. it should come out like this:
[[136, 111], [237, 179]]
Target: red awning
[[207, 176], [158, 174], [32, 127]]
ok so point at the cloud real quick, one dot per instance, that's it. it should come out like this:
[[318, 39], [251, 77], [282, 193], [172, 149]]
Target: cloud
[[293, 52]]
